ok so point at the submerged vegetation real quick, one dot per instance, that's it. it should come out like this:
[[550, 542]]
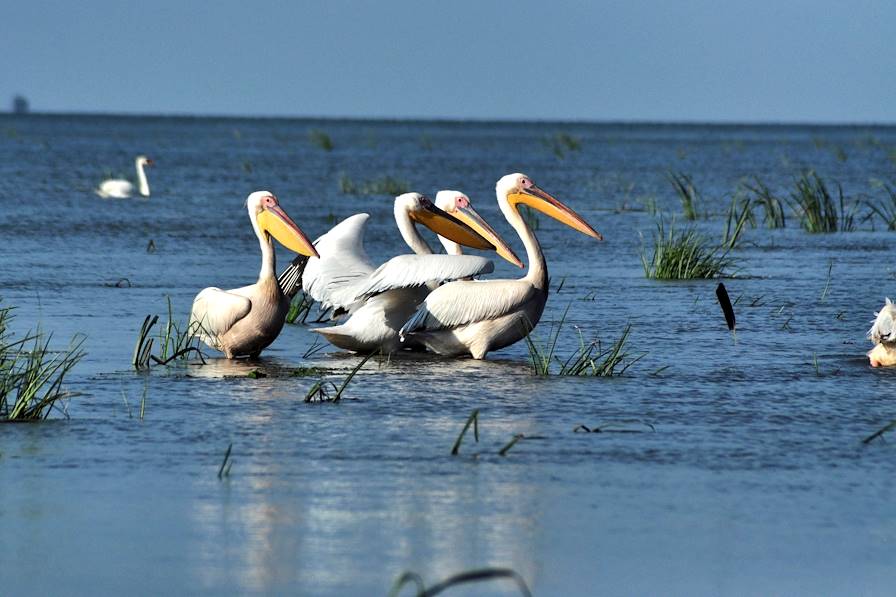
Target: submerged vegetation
[[31, 375], [387, 185], [685, 255], [817, 209], [562, 143], [175, 342], [320, 139], [591, 359]]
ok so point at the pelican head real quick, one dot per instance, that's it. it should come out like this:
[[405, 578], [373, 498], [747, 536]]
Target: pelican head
[[519, 188], [142, 160], [420, 209], [270, 219], [458, 205]]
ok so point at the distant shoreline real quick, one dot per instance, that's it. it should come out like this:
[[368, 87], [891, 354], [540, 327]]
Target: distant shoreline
[[459, 121]]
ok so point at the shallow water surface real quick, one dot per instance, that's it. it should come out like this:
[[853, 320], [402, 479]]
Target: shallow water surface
[[754, 480]]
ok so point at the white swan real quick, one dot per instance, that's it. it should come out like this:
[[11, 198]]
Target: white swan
[[119, 188]]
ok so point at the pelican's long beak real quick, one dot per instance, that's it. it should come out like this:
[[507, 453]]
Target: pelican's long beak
[[444, 224], [275, 222], [543, 202], [471, 218]]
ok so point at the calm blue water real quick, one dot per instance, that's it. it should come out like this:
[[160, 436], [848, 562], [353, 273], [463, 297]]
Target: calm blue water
[[754, 482]]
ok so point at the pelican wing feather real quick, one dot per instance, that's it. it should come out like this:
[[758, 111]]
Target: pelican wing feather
[[411, 271], [215, 311], [343, 261], [467, 301]]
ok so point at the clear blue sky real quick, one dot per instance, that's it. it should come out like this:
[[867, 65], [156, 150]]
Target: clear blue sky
[[761, 60]]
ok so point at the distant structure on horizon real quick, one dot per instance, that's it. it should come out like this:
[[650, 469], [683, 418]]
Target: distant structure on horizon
[[19, 104]]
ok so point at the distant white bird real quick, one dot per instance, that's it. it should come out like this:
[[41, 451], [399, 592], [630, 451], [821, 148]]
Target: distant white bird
[[380, 300], [119, 188], [477, 316], [883, 334], [244, 321]]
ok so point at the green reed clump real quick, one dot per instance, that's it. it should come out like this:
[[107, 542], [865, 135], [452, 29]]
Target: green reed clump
[[387, 185], [176, 341], [562, 143], [320, 391], [591, 359], [885, 209], [320, 139], [817, 208], [772, 206], [299, 308], [739, 214], [31, 375], [684, 255], [687, 194]]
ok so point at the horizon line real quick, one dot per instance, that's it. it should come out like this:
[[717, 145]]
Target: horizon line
[[461, 120]]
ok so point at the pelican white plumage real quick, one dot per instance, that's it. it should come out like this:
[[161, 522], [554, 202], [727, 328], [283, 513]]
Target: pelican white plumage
[[119, 188], [380, 300], [244, 321], [883, 334], [477, 316]]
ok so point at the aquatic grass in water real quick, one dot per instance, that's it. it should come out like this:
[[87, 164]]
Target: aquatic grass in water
[[886, 208], [320, 139], [299, 307], [319, 392], [739, 214], [684, 255], [31, 375], [175, 342], [817, 209], [772, 206], [588, 360], [687, 193], [561, 143], [386, 185]]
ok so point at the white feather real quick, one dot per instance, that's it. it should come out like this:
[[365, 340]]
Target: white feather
[[412, 271], [468, 301], [884, 328], [215, 311], [343, 261], [116, 188]]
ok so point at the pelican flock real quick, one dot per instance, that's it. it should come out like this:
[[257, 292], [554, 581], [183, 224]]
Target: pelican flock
[[416, 301], [473, 317], [119, 188], [379, 300], [244, 321]]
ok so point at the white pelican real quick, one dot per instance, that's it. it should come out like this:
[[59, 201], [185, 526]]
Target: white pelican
[[381, 299], [883, 334], [477, 316], [244, 321], [119, 188]]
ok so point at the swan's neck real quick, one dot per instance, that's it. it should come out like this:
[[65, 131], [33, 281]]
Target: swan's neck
[[142, 183], [538, 269], [451, 247], [410, 234], [268, 258]]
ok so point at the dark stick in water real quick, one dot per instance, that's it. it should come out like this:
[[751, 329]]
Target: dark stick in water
[[727, 309]]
